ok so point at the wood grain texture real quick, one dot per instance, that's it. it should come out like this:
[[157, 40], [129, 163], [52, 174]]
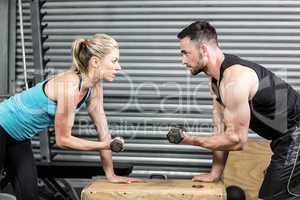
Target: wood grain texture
[[246, 168], [154, 190]]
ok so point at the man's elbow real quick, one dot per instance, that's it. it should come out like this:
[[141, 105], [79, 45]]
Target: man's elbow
[[239, 147], [238, 143]]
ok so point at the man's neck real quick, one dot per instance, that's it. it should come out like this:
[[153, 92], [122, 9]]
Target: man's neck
[[216, 63]]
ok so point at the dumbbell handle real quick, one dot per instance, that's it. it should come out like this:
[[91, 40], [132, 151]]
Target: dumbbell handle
[[117, 144], [176, 135]]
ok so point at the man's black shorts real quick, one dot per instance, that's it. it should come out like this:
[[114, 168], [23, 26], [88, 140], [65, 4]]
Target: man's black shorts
[[282, 178]]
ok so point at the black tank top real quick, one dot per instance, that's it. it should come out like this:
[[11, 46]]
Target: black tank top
[[275, 108]]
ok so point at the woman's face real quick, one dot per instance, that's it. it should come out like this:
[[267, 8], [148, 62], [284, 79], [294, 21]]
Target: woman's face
[[109, 66]]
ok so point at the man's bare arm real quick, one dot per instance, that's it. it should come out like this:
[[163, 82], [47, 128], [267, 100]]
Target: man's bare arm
[[236, 119]]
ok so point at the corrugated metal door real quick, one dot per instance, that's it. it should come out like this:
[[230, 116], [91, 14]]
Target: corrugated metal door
[[155, 91]]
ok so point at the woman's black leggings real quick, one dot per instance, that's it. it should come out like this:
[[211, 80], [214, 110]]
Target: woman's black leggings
[[16, 158]]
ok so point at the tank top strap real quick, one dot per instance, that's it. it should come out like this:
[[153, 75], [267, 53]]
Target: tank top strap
[[80, 81]]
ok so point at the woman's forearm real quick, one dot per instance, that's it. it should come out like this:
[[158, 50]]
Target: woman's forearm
[[107, 162], [72, 142]]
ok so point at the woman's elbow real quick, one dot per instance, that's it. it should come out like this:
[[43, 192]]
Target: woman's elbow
[[62, 143]]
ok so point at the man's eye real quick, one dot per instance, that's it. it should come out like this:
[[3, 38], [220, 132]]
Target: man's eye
[[184, 53]]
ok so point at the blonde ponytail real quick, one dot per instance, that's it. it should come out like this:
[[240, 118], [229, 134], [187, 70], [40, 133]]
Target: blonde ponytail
[[82, 50]]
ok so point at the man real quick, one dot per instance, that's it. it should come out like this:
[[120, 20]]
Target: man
[[245, 95]]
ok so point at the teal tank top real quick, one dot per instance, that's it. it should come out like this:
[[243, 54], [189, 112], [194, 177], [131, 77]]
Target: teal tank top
[[27, 113]]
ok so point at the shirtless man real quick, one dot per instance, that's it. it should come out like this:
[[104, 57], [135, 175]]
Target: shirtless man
[[245, 95]]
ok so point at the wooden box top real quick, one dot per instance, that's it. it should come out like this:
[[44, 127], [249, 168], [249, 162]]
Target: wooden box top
[[153, 189]]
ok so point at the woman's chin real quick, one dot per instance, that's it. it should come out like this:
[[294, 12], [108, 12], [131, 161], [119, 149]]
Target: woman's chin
[[110, 79]]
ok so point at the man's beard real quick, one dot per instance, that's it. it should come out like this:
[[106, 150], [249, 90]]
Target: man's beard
[[200, 67]]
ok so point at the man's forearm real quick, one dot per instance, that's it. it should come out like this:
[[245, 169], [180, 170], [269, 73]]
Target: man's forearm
[[221, 142], [219, 161]]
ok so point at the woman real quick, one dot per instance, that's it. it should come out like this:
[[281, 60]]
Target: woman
[[56, 101]]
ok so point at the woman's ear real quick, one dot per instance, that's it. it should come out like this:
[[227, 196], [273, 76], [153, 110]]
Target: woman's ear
[[94, 61]]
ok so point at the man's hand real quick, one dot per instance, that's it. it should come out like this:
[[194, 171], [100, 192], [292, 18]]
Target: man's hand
[[206, 178], [122, 179], [176, 135]]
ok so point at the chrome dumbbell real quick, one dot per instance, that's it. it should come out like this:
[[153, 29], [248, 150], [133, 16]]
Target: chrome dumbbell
[[117, 144], [176, 135]]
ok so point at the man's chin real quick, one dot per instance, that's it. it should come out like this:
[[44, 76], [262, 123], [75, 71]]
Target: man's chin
[[194, 73]]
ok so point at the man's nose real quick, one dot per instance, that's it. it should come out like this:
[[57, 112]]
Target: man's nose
[[183, 60]]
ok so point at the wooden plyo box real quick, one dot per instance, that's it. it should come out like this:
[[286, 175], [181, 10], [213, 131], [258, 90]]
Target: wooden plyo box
[[246, 168], [153, 189]]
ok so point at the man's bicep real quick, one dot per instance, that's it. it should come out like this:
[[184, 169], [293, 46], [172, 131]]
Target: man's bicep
[[236, 92], [237, 118]]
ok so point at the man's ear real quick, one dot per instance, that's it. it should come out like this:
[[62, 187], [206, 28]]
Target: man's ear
[[204, 49]]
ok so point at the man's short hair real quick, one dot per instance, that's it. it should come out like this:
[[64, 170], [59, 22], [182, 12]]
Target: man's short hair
[[199, 31]]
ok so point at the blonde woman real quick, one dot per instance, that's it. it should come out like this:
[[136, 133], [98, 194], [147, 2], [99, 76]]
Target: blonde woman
[[55, 101]]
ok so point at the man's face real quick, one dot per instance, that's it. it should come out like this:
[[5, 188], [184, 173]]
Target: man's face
[[191, 56]]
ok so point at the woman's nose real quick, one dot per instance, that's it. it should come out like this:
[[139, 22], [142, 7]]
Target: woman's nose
[[118, 66]]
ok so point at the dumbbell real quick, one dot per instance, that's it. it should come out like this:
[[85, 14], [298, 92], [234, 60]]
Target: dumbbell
[[117, 144], [176, 135]]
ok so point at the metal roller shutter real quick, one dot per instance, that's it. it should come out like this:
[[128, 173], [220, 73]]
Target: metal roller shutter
[[155, 91]]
